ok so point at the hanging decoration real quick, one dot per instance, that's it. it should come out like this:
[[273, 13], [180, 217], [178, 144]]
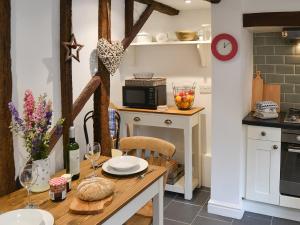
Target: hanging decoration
[[110, 54], [72, 45]]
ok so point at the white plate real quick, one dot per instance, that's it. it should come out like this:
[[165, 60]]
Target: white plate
[[122, 163], [142, 165], [27, 217], [47, 217]]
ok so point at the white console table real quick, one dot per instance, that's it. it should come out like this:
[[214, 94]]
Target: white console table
[[178, 119]]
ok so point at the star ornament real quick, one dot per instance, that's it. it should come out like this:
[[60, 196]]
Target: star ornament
[[71, 46]]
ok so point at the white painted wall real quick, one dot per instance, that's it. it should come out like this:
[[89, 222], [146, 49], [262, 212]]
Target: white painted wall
[[231, 83], [35, 59]]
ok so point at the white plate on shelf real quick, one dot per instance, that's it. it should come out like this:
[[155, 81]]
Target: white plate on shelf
[[26, 217], [123, 163], [141, 166]]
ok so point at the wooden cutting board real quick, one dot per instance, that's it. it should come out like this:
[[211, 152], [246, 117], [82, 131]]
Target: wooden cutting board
[[272, 93], [80, 207], [257, 89]]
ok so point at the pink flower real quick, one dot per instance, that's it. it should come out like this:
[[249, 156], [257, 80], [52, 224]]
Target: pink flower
[[29, 105]]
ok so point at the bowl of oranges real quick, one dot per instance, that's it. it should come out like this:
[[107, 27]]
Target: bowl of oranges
[[184, 96]]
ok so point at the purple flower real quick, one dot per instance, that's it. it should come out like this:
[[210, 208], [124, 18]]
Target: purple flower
[[48, 118], [15, 114]]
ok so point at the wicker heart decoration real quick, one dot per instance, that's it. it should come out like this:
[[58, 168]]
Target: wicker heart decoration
[[110, 54]]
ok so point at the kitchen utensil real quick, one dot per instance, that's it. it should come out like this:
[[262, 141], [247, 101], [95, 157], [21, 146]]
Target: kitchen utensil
[[257, 89], [271, 92], [80, 207], [22, 217], [143, 75], [186, 35], [143, 37], [142, 165], [144, 174], [184, 96], [123, 163]]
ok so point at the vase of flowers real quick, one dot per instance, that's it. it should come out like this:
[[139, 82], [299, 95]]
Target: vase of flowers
[[34, 128]]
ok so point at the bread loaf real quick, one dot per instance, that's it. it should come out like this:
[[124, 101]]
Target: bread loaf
[[94, 189]]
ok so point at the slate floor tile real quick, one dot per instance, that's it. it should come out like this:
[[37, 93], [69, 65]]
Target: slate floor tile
[[173, 222], [258, 216], [208, 221], [168, 197], [278, 221], [199, 197], [181, 212], [203, 213], [248, 220]]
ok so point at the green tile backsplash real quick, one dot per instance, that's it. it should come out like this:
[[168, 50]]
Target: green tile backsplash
[[279, 62]]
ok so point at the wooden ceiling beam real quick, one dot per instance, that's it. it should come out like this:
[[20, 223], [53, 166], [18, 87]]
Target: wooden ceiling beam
[[129, 16], [138, 26], [214, 1], [160, 7], [266, 19], [102, 93], [7, 166]]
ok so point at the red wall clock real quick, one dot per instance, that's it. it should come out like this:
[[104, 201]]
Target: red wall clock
[[224, 47]]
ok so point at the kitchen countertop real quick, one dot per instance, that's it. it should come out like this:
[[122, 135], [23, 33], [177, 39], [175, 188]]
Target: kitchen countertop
[[278, 122]]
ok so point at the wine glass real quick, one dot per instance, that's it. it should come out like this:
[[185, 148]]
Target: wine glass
[[93, 152], [28, 176]]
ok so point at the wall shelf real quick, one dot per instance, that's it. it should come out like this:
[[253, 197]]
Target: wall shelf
[[200, 45], [172, 43]]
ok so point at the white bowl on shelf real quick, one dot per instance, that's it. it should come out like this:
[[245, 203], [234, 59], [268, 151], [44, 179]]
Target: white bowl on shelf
[[143, 37]]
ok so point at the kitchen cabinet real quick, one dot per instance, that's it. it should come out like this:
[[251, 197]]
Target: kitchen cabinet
[[263, 164]]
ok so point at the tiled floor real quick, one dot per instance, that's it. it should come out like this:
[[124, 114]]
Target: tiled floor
[[182, 212]]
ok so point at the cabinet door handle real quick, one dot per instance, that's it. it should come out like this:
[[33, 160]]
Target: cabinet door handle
[[275, 147], [168, 122], [137, 119], [263, 133]]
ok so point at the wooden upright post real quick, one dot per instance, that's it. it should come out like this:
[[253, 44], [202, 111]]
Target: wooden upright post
[[7, 167], [66, 72], [102, 94]]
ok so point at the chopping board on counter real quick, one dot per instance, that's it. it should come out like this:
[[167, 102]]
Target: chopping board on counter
[[271, 92], [80, 207], [257, 89]]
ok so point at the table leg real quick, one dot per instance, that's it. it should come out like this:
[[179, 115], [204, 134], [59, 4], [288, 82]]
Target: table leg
[[188, 163], [158, 204]]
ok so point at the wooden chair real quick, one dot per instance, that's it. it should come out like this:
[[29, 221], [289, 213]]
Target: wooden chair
[[157, 152]]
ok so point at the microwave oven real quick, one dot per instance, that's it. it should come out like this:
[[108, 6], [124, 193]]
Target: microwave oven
[[147, 97]]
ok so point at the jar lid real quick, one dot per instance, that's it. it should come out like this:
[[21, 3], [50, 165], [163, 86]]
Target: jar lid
[[57, 181], [67, 176]]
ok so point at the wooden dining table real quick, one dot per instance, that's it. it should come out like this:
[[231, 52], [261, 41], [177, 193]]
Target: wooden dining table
[[130, 195]]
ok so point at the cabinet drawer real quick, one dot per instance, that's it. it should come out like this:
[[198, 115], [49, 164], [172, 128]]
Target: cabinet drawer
[[264, 133], [157, 120]]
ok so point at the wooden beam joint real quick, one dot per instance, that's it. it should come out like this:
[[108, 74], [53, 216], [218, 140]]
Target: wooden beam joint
[[138, 26], [160, 7]]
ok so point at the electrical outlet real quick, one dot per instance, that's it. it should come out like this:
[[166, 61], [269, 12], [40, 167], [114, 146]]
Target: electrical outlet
[[205, 89]]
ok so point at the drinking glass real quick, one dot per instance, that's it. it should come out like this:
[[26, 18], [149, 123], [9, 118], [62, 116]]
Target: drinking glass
[[93, 152], [28, 176]]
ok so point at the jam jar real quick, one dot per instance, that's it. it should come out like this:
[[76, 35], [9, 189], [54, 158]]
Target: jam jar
[[58, 189]]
